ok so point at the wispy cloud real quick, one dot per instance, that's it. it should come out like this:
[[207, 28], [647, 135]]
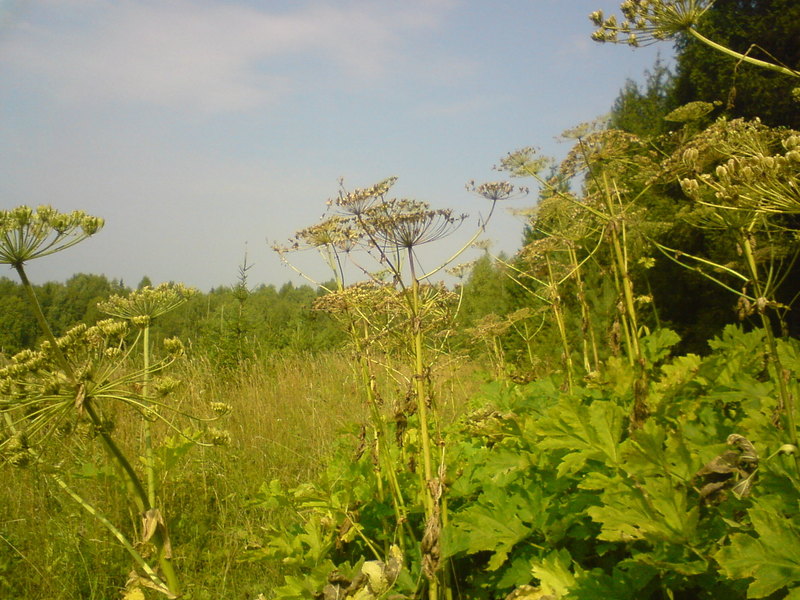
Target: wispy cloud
[[209, 56]]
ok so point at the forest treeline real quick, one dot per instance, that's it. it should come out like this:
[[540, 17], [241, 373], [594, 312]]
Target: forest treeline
[[228, 321]]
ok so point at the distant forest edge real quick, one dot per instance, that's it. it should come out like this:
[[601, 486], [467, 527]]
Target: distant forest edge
[[223, 318]]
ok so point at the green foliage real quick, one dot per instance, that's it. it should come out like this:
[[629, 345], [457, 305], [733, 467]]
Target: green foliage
[[76, 301], [769, 558], [17, 322], [553, 490], [767, 29], [485, 291], [215, 323], [65, 304], [639, 109]]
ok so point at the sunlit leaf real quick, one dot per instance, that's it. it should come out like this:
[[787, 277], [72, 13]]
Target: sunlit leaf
[[771, 559]]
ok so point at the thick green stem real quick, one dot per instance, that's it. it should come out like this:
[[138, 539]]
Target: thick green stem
[[558, 314], [149, 460], [164, 561], [120, 537], [786, 399], [134, 484], [616, 227], [743, 57], [43, 324], [528, 345], [590, 355], [385, 463], [429, 501], [422, 405], [499, 357], [627, 292]]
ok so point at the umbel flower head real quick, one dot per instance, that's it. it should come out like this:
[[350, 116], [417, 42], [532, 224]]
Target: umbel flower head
[[144, 305], [26, 234], [41, 398], [525, 162], [648, 21], [496, 190], [335, 231], [742, 167], [358, 201], [409, 223]]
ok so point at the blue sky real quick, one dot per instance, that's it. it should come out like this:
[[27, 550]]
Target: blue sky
[[198, 128]]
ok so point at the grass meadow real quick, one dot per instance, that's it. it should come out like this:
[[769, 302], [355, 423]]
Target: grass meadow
[[287, 414]]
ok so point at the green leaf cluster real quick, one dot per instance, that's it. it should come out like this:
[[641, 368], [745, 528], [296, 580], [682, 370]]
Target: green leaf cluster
[[555, 491]]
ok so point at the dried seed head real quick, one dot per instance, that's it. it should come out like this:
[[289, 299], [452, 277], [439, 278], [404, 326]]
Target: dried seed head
[[461, 270], [525, 162], [359, 200], [408, 223], [497, 190], [648, 21], [336, 231]]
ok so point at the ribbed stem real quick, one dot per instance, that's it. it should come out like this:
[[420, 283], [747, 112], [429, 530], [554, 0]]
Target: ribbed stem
[[429, 502], [118, 535], [786, 399], [149, 462], [743, 57]]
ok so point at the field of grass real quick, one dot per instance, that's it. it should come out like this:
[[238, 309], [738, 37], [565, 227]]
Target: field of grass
[[287, 414]]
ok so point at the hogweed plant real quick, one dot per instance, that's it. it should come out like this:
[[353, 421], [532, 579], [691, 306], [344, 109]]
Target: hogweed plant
[[646, 22], [397, 312], [490, 329], [565, 240], [751, 184], [561, 220], [743, 177], [539, 277], [607, 217], [71, 384], [140, 308]]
